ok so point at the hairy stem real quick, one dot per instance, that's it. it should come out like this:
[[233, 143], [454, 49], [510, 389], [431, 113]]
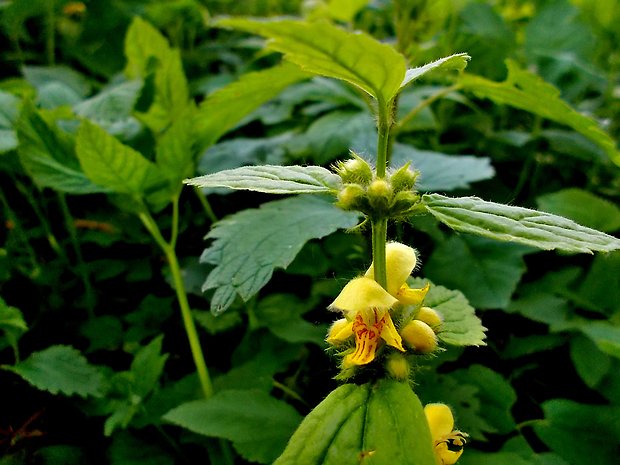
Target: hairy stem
[[383, 127], [379, 238]]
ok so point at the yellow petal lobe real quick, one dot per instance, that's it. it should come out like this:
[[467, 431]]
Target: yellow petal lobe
[[400, 260], [440, 420], [409, 296], [360, 294]]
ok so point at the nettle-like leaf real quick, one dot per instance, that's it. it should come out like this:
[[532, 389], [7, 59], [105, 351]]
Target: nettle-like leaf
[[383, 421], [516, 224], [273, 179], [527, 91], [249, 245], [257, 424], [226, 107], [48, 155], [113, 165], [460, 326], [486, 271], [324, 49], [457, 61], [61, 369]]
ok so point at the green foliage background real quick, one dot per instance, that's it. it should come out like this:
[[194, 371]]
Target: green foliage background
[[102, 116]]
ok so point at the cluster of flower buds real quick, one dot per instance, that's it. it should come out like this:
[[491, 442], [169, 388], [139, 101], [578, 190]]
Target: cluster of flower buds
[[388, 197]]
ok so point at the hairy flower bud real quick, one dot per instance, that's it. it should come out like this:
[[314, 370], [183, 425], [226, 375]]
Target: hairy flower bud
[[404, 178], [430, 317], [380, 195], [419, 336], [351, 197], [397, 367], [354, 170]]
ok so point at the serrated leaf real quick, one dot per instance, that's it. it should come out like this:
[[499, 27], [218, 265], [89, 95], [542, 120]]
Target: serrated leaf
[[61, 369], [148, 52], [486, 271], [228, 106], [580, 433], [324, 49], [11, 318], [525, 90], [273, 179], [460, 326], [256, 423], [458, 61], [249, 245], [516, 224], [147, 367], [583, 207], [111, 164], [175, 154], [441, 172], [48, 156], [384, 422]]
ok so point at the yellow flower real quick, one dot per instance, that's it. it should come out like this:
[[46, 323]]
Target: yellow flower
[[447, 442], [366, 306]]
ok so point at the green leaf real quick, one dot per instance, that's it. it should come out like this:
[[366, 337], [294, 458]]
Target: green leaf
[[12, 324], [57, 85], [249, 245], [583, 207], [147, 367], [496, 396], [581, 433], [605, 335], [591, 363], [521, 225], [526, 91], [9, 111], [441, 172], [61, 369], [281, 314], [324, 49], [127, 449], [111, 164], [256, 423], [148, 53], [461, 326], [48, 156], [486, 271], [601, 286], [175, 154], [457, 61], [226, 107], [384, 422], [273, 179]]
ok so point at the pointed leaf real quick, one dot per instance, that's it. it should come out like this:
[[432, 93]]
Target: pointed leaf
[[111, 164], [521, 225], [226, 107], [249, 245], [256, 423], [457, 61], [460, 326], [273, 179], [61, 369], [529, 92], [324, 49], [384, 422], [48, 156]]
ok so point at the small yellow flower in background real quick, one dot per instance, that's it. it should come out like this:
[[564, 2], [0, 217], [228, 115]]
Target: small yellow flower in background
[[366, 306], [447, 442]]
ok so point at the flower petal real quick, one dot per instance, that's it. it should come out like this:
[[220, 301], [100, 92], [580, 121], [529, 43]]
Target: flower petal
[[389, 333], [361, 294], [440, 420], [409, 296], [340, 331], [400, 260]]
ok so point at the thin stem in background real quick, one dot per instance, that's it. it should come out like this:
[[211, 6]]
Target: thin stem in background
[[50, 34], [81, 265], [205, 205], [423, 104]]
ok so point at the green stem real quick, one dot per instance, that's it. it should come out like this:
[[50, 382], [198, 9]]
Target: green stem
[[423, 104], [174, 233], [288, 391], [81, 265], [186, 312], [379, 238], [383, 126], [50, 34], [205, 205]]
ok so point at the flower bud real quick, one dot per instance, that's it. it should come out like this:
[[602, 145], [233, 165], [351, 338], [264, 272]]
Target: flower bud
[[404, 178], [403, 201], [419, 336], [380, 195], [397, 367], [355, 170], [430, 317], [351, 197], [339, 332]]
